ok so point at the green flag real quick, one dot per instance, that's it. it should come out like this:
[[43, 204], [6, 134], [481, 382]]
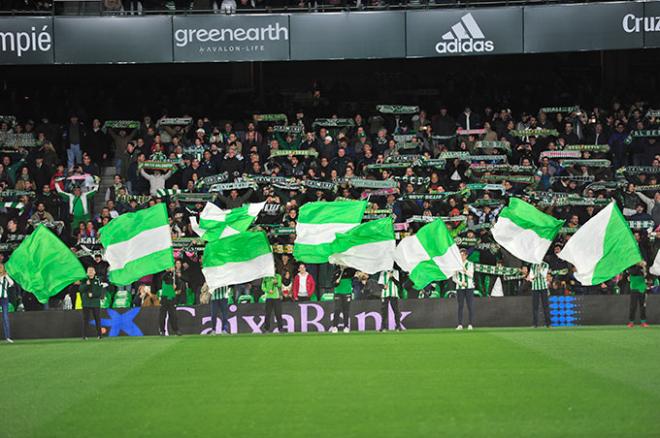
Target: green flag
[[137, 244], [43, 265]]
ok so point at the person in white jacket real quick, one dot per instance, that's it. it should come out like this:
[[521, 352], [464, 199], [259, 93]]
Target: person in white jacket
[[156, 181]]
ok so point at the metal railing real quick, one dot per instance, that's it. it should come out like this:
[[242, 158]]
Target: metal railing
[[151, 7]]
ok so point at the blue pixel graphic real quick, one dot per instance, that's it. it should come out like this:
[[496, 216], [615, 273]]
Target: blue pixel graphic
[[564, 311]]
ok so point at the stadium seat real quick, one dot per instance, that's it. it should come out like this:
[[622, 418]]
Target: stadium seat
[[10, 308], [190, 297], [122, 300], [243, 299], [327, 297]]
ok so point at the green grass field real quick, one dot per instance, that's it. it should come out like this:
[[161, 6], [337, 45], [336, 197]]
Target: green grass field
[[425, 383]]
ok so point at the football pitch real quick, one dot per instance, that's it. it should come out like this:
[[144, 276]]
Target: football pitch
[[588, 381]]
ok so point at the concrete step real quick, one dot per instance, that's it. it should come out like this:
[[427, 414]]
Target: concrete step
[[107, 179], [108, 171]]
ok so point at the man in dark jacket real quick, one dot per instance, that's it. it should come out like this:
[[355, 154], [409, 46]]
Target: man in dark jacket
[[74, 137], [233, 200], [40, 172], [233, 164], [91, 292], [98, 143]]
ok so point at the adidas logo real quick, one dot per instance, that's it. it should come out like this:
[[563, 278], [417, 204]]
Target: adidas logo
[[465, 37]]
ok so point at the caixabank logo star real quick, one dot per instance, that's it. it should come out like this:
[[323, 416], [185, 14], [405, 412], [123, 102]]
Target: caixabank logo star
[[465, 37]]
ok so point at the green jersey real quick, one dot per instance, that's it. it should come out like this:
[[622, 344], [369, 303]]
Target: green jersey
[[167, 291], [91, 293], [78, 205], [538, 275], [637, 284], [465, 279], [389, 280], [272, 287], [220, 293], [345, 287]]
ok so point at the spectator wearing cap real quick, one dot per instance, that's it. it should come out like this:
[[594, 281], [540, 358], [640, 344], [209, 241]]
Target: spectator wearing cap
[[328, 149]]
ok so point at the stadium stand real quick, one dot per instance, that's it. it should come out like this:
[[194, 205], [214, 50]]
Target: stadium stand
[[75, 175]]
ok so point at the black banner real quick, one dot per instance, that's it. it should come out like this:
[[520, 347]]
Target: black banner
[[570, 28], [94, 40], [316, 317], [348, 35]]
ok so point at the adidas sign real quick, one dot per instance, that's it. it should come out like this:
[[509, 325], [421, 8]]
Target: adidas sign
[[465, 37]]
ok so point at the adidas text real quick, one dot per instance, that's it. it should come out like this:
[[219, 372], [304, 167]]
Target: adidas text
[[465, 46]]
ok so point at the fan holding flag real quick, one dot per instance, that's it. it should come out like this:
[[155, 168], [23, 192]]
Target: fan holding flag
[[527, 233]]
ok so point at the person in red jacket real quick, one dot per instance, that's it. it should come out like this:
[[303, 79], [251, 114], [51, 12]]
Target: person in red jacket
[[303, 284]]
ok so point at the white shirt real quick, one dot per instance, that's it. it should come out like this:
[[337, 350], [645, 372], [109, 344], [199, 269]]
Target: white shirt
[[302, 287], [5, 284]]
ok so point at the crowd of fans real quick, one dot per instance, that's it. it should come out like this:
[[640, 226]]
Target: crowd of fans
[[414, 166]]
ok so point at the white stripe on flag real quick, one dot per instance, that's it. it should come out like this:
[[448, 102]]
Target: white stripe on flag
[[450, 262], [370, 258], [585, 248], [147, 242], [316, 234], [522, 243], [410, 253], [212, 212], [655, 269], [255, 209], [239, 272], [195, 226]]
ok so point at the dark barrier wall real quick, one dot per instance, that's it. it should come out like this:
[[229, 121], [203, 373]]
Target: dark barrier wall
[[567, 28], [315, 317], [94, 40], [354, 35], [346, 35], [649, 24], [464, 32], [231, 38]]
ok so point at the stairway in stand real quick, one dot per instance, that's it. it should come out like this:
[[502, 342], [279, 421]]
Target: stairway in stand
[[107, 178]]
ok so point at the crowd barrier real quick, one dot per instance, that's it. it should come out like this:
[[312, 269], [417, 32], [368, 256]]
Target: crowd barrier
[[316, 316]]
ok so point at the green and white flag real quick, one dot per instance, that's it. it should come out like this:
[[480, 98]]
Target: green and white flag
[[43, 265], [216, 223], [137, 244], [655, 268], [524, 231], [237, 259], [430, 255], [319, 222], [602, 248], [369, 247]]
